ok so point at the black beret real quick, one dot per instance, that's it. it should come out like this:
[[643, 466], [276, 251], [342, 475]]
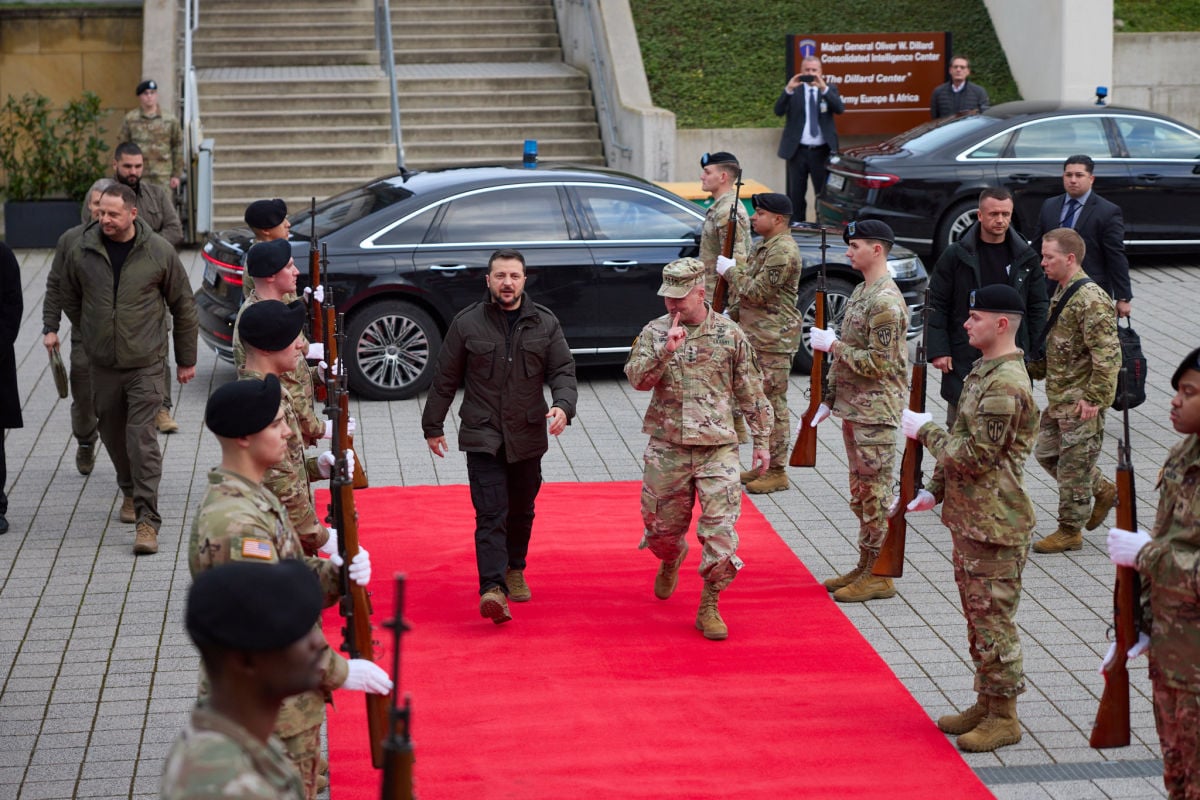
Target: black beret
[[243, 408], [1192, 361], [247, 606], [270, 325], [999, 298], [267, 258], [868, 229], [772, 202], [146, 86], [720, 157], [264, 214]]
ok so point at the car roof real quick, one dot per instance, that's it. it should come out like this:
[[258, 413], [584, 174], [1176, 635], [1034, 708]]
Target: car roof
[[1048, 108], [422, 181]]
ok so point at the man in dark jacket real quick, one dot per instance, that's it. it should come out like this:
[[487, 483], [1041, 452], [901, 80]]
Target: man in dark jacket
[[502, 351], [989, 252], [958, 94], [809, 135], [11, 306], [119, 282]]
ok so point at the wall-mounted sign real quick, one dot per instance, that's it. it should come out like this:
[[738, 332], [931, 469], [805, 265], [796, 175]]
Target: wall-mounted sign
[[886, 80]]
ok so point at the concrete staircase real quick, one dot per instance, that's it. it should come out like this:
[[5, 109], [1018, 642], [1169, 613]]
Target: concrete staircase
[[298, 107]]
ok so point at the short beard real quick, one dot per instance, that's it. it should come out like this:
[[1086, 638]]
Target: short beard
[[132, 181]]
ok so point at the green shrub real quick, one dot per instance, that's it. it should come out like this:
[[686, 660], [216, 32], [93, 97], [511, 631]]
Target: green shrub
[[51, 153]]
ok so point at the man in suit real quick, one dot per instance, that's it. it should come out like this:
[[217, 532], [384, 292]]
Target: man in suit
[[809, 134], [1100, 224]]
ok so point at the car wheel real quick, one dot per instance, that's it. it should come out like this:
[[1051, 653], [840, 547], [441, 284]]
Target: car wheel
[[837, 295], [955, 224], [391, 347]]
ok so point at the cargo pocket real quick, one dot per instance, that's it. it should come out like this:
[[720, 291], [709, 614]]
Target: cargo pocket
[[481, 357]]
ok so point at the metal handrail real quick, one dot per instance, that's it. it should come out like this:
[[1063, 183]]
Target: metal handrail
[[603, 96], [191, 103], [387, 62]]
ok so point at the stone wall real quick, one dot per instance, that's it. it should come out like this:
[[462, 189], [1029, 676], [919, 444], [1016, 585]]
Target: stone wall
[[1159, 72]]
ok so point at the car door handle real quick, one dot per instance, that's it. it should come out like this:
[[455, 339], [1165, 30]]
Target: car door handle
[[1022, 177], [445, 268], [619, 266], [1149, 177]]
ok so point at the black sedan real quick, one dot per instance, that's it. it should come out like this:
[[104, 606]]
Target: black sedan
[[925, 182], [408, 252]]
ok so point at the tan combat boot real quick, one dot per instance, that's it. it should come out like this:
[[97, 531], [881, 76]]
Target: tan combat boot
[[774, 479], [518, 589], [128, 513], [708, 618], [998, 729], [164, 423], [668, 575], [748, 475], [1060, 541], [493, 605], [833, 584], [866, 586], [965, 721], [145, 540], [1105, 499]]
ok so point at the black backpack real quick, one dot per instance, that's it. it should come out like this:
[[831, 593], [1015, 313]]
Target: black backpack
[[1131, 392]]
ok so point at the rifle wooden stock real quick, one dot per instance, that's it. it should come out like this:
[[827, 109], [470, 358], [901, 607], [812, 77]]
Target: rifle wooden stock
[[333, 324], [398, 754], [804, 452], [721, 289], [890, 563]]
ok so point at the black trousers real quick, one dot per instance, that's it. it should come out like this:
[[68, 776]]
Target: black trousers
[[503, 495], [807, 162], [3, 476]]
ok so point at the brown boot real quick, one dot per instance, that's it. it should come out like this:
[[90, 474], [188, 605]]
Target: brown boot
[[833, 584], [85, 457], [518, 589], [1105, 499], [668, 575], [708, 618], [999, 728], [965, 721], [748, 475], [145, 540], [164, 423], [1060, 541], [493, 605], [128, 513], [866, 586], [774, 479]]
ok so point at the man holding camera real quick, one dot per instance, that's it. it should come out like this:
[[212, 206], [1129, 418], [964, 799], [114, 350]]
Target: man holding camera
[[809, 135]]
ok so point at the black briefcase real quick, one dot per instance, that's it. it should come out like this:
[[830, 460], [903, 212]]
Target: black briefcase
[[1131, 392]]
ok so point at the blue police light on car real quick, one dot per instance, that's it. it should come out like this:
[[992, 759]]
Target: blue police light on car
[[529, 159]]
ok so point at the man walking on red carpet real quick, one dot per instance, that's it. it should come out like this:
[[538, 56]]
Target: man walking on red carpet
[[700, 366], [502, 351], [980, 479]]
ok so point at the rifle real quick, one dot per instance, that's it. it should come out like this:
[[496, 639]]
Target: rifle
[[398, 747], [890, 563], [721, 290], [1111, 728], [316, 318], [804, 452], [355, 604], [334, 345]]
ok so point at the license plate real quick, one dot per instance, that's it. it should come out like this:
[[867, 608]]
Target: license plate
[[835, 182], [210, 273]]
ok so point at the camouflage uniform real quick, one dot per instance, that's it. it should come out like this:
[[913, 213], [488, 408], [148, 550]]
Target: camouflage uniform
[[980, 481], [216, 757], [693, 449], [1082, 360], [1170, 614], [765, 289], [240, 520], [867, 388], [712, 237], [161, 140]]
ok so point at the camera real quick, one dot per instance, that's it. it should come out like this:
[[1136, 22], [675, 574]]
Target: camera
[[807, 78]]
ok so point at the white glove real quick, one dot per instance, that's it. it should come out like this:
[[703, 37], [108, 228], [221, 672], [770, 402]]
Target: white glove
[[360, 567], [367, 676], [1124, 546], [922, 502], [330, 548], [326, 460], [912, 421], [1139, 647], [318, 294], [822, 338], [316, 352], [351, 427], [724, 264], [322, 367], [822, 414]]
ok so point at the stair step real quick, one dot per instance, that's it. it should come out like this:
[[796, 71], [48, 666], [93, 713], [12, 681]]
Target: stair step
[[412, 102], [430, 56], [492, 117], [280, 118], [420, 134], [500, 152], [372, 134], [489, 85], [328, 58], [362, 171], [299, 48], [271, 152], [212, 105]]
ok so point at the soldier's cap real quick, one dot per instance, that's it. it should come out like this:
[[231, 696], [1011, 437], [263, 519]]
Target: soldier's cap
[[243, 408], [681, 276], [267, 258], [868, 229], [1191, 361], [265, 214], [271, 325], [720, 157], [146, 86], [999, 298], [252, 606], [772, 202]]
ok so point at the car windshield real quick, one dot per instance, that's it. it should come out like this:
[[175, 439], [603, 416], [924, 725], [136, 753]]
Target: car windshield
[[343, 209], [936, 133]]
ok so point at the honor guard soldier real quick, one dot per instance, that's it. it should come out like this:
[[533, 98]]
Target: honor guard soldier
[[268, 221], [718, 176]]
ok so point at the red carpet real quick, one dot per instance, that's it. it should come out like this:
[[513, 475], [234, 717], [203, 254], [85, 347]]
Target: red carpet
[[597, 688]]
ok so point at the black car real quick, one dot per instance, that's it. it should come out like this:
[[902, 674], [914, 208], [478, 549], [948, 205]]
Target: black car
[[408, 252], [925, 182]]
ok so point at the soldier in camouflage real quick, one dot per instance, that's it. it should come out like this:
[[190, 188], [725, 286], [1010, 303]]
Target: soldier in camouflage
[[1168, 560], [718, 174], [867, 384], [1080, 366], [700, 366], [268, 221], [240, 521], [158, 134], [764, 289], [979, 479]]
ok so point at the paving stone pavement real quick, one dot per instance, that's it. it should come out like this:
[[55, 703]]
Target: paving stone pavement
[[97, 675]]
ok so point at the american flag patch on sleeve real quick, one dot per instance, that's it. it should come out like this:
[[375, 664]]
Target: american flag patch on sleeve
[[258, 548]]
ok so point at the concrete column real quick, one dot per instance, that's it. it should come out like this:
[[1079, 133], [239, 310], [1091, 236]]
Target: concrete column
[[159, 50]]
